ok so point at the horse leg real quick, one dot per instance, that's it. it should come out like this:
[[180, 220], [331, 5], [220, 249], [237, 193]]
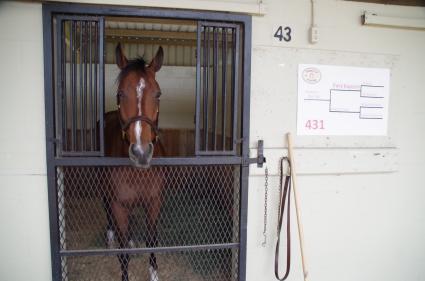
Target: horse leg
[[121, 215], [131, 244], [110, 234], [152, 214]]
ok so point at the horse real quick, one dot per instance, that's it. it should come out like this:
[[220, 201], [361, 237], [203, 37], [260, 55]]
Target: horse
[[132, 131]]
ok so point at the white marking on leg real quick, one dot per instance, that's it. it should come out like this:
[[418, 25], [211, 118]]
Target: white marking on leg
[[110, 237], [131, 244], [153, 274], [138, 125]]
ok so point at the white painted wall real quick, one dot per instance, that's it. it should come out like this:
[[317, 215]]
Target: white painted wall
[[363, 214], [24, 230], [363, 219]]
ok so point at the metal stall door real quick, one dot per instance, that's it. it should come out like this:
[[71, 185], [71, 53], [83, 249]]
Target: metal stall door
[[201, 225]]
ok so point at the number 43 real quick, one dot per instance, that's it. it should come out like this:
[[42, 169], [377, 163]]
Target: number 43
[[283, 33]]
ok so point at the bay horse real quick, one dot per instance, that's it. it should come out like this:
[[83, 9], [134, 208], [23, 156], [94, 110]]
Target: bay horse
[[132, 131]]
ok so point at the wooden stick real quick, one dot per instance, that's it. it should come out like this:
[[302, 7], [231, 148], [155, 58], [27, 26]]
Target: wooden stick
[[297, 209]]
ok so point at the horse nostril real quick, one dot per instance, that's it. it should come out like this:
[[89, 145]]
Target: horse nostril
[[141, 155], [133, 149]]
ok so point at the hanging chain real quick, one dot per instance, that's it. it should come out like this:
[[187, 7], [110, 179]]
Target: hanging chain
[[266, 191]]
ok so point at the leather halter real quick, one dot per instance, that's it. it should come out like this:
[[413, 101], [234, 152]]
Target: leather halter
[[125, 124]]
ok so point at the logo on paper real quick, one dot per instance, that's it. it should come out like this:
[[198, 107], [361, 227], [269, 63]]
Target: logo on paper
[[311, 75]]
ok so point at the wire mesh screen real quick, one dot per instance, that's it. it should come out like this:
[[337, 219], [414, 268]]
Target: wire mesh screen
[[180, 205], [220, 265]]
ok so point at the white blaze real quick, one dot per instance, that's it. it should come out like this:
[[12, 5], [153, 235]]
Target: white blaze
[[138, 125]]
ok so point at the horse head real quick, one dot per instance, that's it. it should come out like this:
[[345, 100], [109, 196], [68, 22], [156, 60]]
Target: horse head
[[138, 104]]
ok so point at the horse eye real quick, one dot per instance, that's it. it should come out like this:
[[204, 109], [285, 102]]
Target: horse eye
[[121, 94], [158, 94]]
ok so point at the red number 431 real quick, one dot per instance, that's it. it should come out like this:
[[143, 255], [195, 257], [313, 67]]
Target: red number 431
[[315, 124]]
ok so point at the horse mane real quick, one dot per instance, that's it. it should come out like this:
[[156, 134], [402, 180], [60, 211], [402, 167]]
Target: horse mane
[[137, 64]]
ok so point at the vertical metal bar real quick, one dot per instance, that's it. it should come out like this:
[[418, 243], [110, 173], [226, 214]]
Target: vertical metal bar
[[92, 124], [204, 49], [84, 47], [215, 100], [243, 215], [232, 88], [224, 88], [58, 96], [235, 86], [73, 88], [50, 147], [198, 90], [101, 82], [65, 97], [245, 144], [206, 68], [96, 63], [81, 94]]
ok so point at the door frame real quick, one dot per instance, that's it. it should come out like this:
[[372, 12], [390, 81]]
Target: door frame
[[49, 11]]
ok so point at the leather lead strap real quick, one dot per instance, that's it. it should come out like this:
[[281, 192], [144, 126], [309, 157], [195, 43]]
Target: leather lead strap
[[286, 197]]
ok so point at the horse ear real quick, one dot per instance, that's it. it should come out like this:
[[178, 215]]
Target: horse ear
[[120, 58], [156, 62]]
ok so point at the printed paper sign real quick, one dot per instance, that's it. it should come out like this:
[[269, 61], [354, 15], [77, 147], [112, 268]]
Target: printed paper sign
[[339, 100]]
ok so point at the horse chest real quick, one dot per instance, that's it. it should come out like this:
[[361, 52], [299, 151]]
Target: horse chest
[[132, 187]]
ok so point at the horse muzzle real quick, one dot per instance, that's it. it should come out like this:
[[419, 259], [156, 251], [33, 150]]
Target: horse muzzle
[[141, 155]]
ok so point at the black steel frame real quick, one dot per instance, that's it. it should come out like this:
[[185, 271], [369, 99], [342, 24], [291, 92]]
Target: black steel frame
[[49, 11]]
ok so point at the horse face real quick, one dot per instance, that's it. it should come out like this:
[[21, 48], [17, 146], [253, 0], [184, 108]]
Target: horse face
[[138, 99]]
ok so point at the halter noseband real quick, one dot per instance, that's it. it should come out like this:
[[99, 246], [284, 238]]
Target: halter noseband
[[126, 124]]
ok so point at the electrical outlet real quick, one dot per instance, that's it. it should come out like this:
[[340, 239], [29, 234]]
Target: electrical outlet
[[314, 34]]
